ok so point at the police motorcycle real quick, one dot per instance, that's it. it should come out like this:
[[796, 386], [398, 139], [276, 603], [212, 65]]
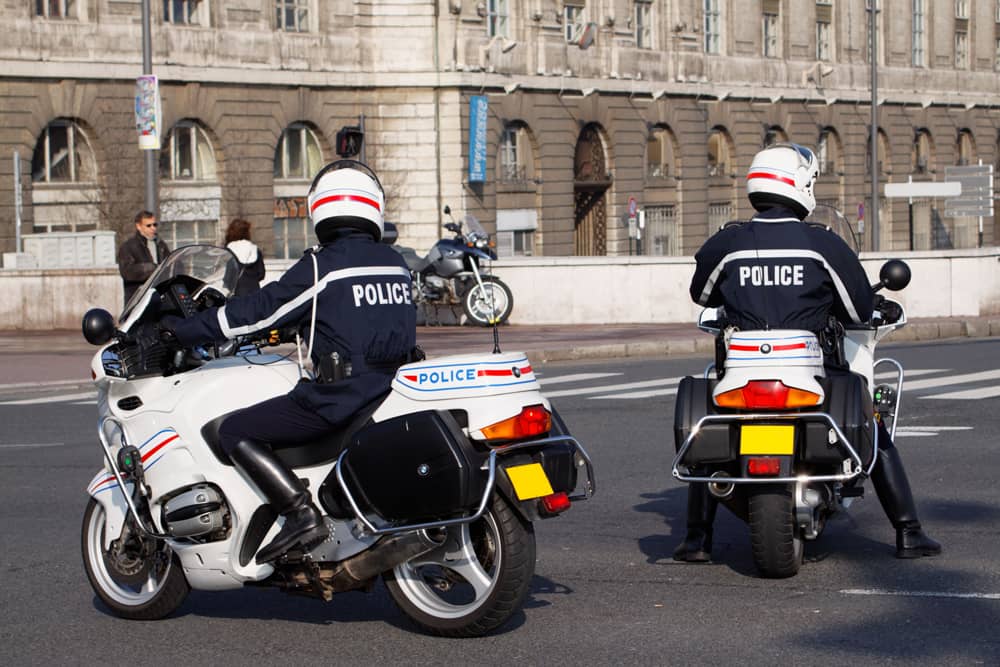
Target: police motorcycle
[[451, 274], [780, 443], [434, 487]]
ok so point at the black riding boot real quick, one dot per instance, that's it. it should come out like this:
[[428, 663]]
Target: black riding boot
[[697, 544], [288, 496], [893, 490]]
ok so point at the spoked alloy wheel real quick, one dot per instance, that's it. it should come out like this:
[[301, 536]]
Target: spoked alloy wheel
[[143, 582], [493, 300], [475, 581], [775, 536]]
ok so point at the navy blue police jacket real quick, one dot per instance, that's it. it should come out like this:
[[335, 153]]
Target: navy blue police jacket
[[364, 312], [776, 272]]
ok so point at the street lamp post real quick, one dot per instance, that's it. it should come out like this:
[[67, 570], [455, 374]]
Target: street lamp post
[[873, 12], [147, 68]]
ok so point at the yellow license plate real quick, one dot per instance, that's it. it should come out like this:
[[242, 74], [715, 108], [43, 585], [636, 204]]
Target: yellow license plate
[[763, 439], [529, 481]]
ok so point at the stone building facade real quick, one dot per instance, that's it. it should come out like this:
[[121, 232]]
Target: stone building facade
[[581, 106]]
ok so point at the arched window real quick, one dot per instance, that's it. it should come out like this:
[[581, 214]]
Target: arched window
[[190, 194], [298, 155], [719, 153], [187, 154], [63, 155], [828, 152], [774, 135], [660, 154], [922, 157], [884, 159], [966, 148]]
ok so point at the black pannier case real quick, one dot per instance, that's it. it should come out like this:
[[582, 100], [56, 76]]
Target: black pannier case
[[416, 467], [713, 443]]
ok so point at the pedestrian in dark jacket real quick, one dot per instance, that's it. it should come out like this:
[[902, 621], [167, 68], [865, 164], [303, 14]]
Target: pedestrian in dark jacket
[[777, 272], [364, 317], [249, 255], [139, 255]]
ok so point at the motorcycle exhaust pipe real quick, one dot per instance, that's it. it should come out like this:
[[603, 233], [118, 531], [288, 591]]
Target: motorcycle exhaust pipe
[[357, 571], [721, 490]]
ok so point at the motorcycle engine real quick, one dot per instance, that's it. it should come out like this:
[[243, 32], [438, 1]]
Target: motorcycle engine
[[434, 287], [199, 511]]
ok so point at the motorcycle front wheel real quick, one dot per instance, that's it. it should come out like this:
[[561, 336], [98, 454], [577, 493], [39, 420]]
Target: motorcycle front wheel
[[143, 581], [475, 581], [491, 301], [775, 537]]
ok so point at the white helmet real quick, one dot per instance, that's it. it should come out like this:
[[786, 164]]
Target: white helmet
[[783, 175], [346, 193]]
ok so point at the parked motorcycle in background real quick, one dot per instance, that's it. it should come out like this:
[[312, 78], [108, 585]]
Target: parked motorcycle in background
[[435, 486], [452, 274], [779, 442]]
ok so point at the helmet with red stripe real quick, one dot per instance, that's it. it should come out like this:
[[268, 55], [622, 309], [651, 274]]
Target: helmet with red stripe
[[346, 193], [783, 175]]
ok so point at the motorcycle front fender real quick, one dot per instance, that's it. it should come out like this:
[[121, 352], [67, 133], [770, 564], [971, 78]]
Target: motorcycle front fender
[[105, 490]]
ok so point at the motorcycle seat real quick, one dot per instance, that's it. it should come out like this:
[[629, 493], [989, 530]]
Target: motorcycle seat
[[306, 453], [414, 262]]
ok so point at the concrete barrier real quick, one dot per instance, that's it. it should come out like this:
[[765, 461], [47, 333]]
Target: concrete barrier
[[550, 290]]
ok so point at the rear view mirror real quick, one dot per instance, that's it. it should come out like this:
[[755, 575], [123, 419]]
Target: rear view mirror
[[895, 275], [98, 326], [390, 234]]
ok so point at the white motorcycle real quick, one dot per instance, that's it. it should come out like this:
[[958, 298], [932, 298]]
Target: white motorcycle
[[779, 442], [433, 487]]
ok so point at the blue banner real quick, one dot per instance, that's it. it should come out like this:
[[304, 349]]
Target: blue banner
[[477, 138]]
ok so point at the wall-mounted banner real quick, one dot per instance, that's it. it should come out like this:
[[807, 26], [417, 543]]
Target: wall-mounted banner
[[478, 105], [148, 112]]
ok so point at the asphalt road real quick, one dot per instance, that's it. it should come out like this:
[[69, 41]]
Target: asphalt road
[[606, 590]]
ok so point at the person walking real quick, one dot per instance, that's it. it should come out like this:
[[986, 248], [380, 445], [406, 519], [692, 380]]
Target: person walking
[[139, 255], [249, 255]]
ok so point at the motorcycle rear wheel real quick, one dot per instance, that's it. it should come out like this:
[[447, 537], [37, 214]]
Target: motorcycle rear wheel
[[473, 583], [132, 586], [775, 537], [493, 300]]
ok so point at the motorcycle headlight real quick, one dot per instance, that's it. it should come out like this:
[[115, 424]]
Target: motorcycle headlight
[[482, 243]]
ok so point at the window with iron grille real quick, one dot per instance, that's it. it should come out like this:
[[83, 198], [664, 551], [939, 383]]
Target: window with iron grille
[[185, 12], [719, 213], [644, 24], [918, 35], [573, 21], [497, 18], [771, 35], [662, 233], [55, 9], [712, 26], [961, 49], [298, 155], [512, 148], [292, 15], [822, 40]]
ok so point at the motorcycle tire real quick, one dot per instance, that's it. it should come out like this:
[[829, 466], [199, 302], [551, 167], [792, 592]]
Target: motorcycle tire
[[492, 301], [473, 583], [132, 587], [774, 535]]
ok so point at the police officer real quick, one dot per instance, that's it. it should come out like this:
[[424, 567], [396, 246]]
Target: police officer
[[775, 272], [353, 294]]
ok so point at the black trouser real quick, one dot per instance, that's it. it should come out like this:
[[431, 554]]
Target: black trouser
[[279, 422]]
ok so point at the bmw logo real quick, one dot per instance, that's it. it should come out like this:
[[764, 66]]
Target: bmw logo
[[765, 349], [516, 371]]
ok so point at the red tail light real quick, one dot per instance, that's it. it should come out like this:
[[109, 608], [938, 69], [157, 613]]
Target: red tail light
[[556, 503], [531, 421], [763, 466], [767, 394]]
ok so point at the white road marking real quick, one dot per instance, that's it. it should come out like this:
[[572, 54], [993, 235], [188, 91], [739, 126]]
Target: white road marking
[[909, 373], [922, 594], [33, 444], [933, 383], [576, 377], [61, 398], [638, 394], [47, 383], [926, 431], [614, 387], [968, 394]]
